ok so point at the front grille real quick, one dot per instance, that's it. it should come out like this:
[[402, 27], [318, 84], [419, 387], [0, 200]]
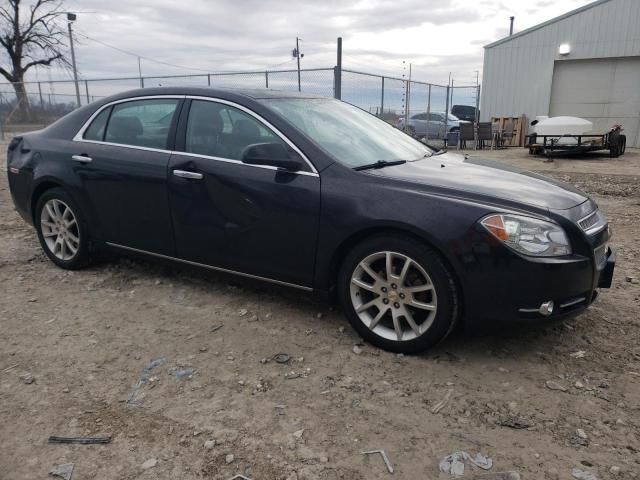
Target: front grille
[[592, 222], [600, 255]]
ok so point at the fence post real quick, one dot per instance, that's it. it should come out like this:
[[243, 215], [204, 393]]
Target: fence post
[[382, 99], [338, 71], [446, 117], [209, 79], [406, 103], [40, 93], [477, 104], [86, 88], [266, 79], [141, 82], [428, 111]]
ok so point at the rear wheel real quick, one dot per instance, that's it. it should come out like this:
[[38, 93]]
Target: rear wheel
[[398, 294], [61, 229], [622, 144]]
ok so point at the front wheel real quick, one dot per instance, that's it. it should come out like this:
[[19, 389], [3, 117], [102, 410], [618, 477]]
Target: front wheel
[[61, 229], [398, 294]]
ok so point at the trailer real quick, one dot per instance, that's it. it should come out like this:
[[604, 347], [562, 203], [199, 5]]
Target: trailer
[[571, 144]]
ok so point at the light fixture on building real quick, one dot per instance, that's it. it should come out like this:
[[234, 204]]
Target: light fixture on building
[[564, 49]]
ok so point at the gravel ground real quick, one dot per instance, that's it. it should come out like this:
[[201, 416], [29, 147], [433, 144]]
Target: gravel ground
[[73, 345]]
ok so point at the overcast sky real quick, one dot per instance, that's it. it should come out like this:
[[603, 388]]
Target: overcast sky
[[437, 37]]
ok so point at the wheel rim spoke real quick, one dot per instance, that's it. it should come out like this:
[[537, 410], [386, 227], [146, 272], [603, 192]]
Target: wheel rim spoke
[[423, 306], [389, 266], [56, 209], [73, 249], [370, 272], [50, 211], [419, 288], [366, 286], [412, 323], [405, 269], [367, 306], [396, 326], [378, 317], [401, 291]]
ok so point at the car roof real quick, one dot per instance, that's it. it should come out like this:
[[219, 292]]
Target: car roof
[[255, 94]]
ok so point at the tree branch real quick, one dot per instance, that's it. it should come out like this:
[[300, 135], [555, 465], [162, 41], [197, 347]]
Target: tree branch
[[6, 74], [44, 62]]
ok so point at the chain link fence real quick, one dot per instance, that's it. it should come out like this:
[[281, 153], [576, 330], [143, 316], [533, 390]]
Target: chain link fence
[[389, 98]]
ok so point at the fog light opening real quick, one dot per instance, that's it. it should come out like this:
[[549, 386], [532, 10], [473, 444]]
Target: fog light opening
[[546, 308]]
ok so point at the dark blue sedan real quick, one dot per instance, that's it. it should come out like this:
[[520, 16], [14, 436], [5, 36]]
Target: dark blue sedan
[[315, 194]]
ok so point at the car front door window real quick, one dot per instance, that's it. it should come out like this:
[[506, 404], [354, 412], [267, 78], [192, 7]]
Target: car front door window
[[220, 130]]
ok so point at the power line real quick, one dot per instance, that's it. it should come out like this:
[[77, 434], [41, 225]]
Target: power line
[[128, 52]]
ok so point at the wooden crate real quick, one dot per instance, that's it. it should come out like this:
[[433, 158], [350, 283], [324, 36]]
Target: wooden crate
[[520, 129]]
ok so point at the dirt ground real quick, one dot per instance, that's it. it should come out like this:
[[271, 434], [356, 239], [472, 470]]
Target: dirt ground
[[73, 345]]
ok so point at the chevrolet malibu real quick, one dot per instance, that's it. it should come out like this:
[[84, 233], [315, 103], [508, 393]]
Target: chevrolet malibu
[[315, 194]]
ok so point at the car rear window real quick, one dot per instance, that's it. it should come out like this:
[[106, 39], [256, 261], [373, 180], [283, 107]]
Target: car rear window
[[141, 123]]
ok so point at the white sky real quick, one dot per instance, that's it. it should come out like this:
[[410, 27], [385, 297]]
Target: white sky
[[436, 36]]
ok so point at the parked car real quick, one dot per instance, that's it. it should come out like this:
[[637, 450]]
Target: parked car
[[465, 112], [315, 194], [431, 124]]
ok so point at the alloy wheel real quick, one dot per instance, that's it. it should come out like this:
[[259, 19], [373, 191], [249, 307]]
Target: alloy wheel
[[393, 296], [59, 228]]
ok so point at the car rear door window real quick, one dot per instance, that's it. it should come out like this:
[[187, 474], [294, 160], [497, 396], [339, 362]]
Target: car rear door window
[[142, 123], [96, 129], [220, 130]]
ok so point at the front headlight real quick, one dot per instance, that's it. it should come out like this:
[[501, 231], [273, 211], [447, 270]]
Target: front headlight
[[528, 235]]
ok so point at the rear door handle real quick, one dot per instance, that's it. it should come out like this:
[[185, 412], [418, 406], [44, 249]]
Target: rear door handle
[[185, 174], [81, 158]]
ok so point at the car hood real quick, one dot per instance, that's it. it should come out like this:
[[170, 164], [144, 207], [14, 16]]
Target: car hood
[[488, 179]]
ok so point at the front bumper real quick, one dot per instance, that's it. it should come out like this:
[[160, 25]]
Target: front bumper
[[510, 289], [606, 274]]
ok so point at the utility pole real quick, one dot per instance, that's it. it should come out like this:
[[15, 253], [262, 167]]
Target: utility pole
[[298, 56], [71, 17], [338, 72], [140, 72]]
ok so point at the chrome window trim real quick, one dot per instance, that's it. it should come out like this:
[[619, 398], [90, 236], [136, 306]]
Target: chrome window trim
[[211, 267], [79, 136], [239, 162]]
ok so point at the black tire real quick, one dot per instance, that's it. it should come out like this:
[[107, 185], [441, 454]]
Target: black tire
[[446, 314], [79, 259], [614, 150], [622, 144]]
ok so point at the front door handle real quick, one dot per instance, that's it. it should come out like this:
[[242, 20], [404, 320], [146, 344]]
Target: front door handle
[[81, 158], [185, 174]]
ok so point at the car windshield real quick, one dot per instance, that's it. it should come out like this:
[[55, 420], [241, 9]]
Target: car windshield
[[349, 134]]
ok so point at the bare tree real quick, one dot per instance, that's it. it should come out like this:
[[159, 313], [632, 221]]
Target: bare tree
[[35, 40]]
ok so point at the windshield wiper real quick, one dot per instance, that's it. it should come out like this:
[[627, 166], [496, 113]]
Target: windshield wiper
[[380, 164], [440, 152]]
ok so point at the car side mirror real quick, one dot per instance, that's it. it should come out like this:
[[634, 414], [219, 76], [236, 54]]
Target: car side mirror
[[270, 154]]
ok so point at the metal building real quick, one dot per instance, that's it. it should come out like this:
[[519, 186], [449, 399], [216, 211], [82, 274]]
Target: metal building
[[585, 63]]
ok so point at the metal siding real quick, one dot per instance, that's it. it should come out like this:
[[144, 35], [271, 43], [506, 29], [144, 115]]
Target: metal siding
[[604, 91], [518, 73]]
